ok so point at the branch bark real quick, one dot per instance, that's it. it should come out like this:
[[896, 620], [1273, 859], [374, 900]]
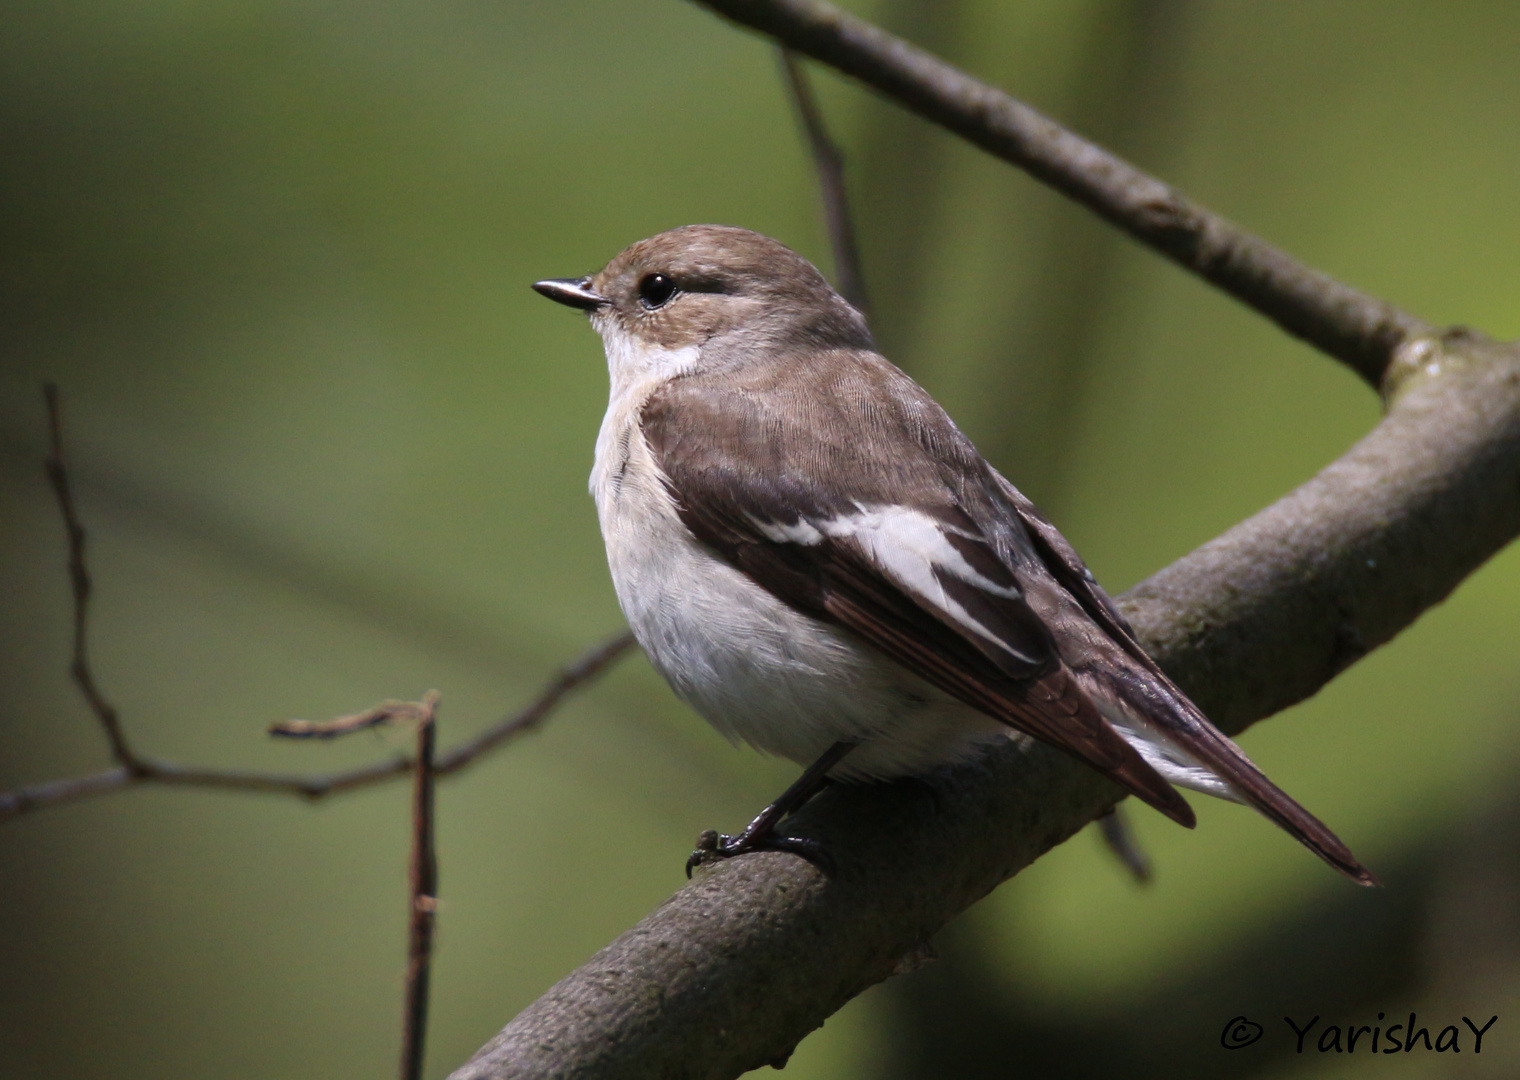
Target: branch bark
[[731, 972], [1359, 330]]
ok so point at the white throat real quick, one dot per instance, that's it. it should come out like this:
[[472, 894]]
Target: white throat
[[636, 368], [633, 362]]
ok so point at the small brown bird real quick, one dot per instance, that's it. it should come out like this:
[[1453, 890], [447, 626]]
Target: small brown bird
[[823, 566]]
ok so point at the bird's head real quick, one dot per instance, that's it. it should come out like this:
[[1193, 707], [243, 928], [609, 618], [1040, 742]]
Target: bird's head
[[663, 301]]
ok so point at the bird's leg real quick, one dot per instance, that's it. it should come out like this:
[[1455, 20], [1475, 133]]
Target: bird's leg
[[760, 834]]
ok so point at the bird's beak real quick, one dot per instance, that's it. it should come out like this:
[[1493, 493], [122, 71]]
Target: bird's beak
[[572, 292]]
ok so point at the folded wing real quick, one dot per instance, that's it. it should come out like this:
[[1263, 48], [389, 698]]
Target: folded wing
[[872, 538], [844, 489], [1136, 683]]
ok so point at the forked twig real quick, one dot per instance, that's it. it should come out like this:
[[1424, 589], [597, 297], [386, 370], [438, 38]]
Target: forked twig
[[132, 768], [384, 713], [422, 872], [424, 765], [578, 673]]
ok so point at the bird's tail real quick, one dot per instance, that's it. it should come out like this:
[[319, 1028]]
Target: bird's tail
[[1173, 735]]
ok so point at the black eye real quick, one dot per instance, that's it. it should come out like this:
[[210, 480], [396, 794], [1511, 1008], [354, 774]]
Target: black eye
[[656, 290]]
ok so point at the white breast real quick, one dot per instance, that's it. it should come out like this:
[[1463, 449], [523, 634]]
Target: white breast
[[755, 668]]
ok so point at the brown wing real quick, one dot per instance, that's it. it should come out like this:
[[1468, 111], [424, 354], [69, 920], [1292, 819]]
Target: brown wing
[[747, 492], [1139, 683]]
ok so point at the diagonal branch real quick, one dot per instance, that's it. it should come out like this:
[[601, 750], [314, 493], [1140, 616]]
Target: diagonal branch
[[1359, 330], [732, 971]]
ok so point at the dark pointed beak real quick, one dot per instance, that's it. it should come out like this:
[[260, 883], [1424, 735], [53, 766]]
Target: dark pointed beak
[[572, 292]]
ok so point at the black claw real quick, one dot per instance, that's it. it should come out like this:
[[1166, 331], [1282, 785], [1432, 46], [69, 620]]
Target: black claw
[[760, 834], [710, 844], [713, 846]]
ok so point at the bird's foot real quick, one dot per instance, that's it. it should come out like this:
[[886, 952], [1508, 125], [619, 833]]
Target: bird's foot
[[713, 846], [760, 834]]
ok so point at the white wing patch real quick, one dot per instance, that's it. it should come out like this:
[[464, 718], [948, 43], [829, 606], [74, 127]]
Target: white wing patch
[[1164, 754], [908, 546], [798, 532]]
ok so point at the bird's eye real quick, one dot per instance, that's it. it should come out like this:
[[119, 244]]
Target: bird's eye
[[656, 290]]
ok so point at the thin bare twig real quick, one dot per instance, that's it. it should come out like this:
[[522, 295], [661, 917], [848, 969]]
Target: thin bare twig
[[583, 670], [79, 581], [1355, 328], [828, 162], [423, 898], [422, 870], [572, 676], [384, 713], [133, 768]]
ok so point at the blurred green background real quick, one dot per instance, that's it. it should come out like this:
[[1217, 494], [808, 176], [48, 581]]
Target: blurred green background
[[331, 449]]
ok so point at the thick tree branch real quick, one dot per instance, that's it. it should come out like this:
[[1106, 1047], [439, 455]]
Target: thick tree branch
[[732, 971], [1359, 330]]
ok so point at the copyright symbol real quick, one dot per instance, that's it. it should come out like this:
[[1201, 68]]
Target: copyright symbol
[[1239, 1032]]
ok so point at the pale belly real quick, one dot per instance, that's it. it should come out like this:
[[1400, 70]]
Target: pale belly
[[756, 669]]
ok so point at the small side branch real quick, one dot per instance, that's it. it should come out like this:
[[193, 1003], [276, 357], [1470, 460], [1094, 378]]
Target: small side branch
[[1359, 330], [828, 163], [387, 712], [574, 675]]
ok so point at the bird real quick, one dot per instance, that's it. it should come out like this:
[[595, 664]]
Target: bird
[[824, 567]]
